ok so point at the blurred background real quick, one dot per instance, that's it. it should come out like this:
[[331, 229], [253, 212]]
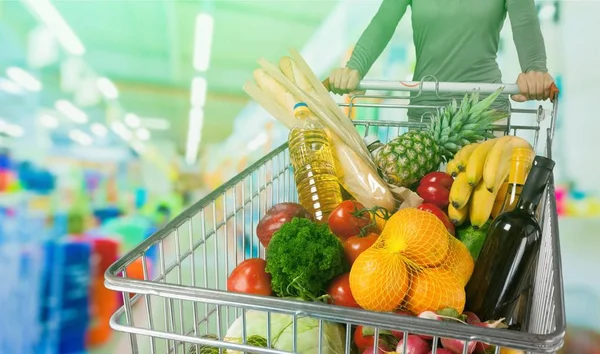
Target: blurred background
[[116, 115]]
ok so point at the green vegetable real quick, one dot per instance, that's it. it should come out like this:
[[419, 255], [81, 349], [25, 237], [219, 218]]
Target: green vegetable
[[255, 341], [473, 238], [302, 258], [206, 349], [282, 333]]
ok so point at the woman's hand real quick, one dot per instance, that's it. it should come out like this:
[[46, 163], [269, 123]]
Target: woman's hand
[[533, 85], [344, 80]]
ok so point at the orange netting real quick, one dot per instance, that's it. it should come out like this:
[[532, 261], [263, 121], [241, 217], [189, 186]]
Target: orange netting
[[415, 265]]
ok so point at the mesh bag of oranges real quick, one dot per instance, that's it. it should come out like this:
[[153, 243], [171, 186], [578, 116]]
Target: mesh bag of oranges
[[415, 265]]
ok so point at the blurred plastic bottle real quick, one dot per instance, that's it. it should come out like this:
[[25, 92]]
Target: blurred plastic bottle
[[314, 168]]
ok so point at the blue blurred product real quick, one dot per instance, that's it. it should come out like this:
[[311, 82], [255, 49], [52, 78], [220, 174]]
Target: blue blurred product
[[21, 270], [66, 316]]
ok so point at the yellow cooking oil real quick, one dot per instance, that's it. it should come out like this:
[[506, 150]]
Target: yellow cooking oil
[[314, 168]]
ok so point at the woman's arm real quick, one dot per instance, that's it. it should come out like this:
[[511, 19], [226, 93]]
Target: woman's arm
[[377, 35], [527, 35], [534, 81]]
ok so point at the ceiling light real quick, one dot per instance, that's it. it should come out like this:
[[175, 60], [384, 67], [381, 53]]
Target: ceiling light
[[23, 79], [80, 137], [155, 123], [49, 121], [121, 130], [70, 111], [143, 134], [198, 92], [107, 88], [99, 130], [194, 135], [9, 86], [203, 41], [48, 14], [132, 120]]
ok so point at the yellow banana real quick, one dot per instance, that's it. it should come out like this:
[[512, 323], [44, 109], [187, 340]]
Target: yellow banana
[[458, 216], [491, 165], [481, 205], [460, 192], [500, 196], [497, 163], [462, 157], [477, 161], [452, 169], [483, 200]]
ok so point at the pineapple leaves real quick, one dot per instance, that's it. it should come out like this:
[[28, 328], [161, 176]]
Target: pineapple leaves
[[463, 123]]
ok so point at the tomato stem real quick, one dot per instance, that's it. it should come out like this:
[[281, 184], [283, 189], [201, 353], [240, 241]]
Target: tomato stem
[[375, 212]]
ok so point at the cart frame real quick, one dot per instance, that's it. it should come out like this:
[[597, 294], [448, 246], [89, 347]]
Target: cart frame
[[253, 192]]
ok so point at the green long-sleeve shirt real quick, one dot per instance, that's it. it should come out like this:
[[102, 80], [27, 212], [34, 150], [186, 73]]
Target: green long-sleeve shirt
[[455, 41]]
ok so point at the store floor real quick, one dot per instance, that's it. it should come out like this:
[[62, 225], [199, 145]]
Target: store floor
[[580, 240]]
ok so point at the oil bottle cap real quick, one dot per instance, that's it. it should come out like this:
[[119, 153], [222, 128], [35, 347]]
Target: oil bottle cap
[[300, 104]]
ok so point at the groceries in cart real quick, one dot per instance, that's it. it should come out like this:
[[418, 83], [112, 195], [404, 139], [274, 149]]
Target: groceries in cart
[[454, 245]]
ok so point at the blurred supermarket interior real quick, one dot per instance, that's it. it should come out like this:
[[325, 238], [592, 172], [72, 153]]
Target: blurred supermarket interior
[[116, 115]]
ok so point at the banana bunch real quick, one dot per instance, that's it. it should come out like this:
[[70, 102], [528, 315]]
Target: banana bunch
[[480, 171]]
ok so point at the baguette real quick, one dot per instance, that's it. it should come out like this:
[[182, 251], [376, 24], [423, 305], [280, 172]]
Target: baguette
[[290, 69], [270, 105], [268, 84]]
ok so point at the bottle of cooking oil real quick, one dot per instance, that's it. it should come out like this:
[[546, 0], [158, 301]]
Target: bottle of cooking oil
[[314, 167]]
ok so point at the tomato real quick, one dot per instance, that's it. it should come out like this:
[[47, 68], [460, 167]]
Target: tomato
[[435, 187], [339, 290], [346, 220], [250, 277], [356, 245], [438, 177], [363, 342]]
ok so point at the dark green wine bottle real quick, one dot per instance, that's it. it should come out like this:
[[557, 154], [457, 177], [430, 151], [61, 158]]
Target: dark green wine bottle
[[501, 277]]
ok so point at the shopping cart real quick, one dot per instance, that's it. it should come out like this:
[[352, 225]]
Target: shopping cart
[[175, 310]]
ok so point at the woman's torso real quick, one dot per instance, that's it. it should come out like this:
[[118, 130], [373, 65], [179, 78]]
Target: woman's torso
[[456, 41]]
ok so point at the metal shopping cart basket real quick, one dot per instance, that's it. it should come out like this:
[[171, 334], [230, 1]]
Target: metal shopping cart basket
[[174, 309]]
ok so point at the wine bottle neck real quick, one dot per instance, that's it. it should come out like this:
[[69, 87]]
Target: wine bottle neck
[[535, 185], [528, 206]]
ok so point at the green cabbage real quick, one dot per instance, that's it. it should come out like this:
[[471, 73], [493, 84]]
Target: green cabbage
[[282, 333]]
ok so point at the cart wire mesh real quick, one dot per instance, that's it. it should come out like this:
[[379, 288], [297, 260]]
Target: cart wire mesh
[[181, 305]]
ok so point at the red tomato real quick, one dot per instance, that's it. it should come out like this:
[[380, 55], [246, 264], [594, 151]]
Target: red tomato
[[339, 290], [435, 187], [363, 342], [439, 178], [356, 245], [250, 277], [345, 220]]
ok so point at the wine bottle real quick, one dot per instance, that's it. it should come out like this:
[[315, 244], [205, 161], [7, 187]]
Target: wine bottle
[[501, 277]]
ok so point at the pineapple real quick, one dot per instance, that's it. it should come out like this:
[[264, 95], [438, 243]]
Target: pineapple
[[407, 158]]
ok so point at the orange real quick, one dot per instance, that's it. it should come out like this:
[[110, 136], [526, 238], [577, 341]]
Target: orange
[[379, 279], [459, 261], [418, 235], [433, 289]]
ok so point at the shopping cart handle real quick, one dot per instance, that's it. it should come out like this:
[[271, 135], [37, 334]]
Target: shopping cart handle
[[440, 87]]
